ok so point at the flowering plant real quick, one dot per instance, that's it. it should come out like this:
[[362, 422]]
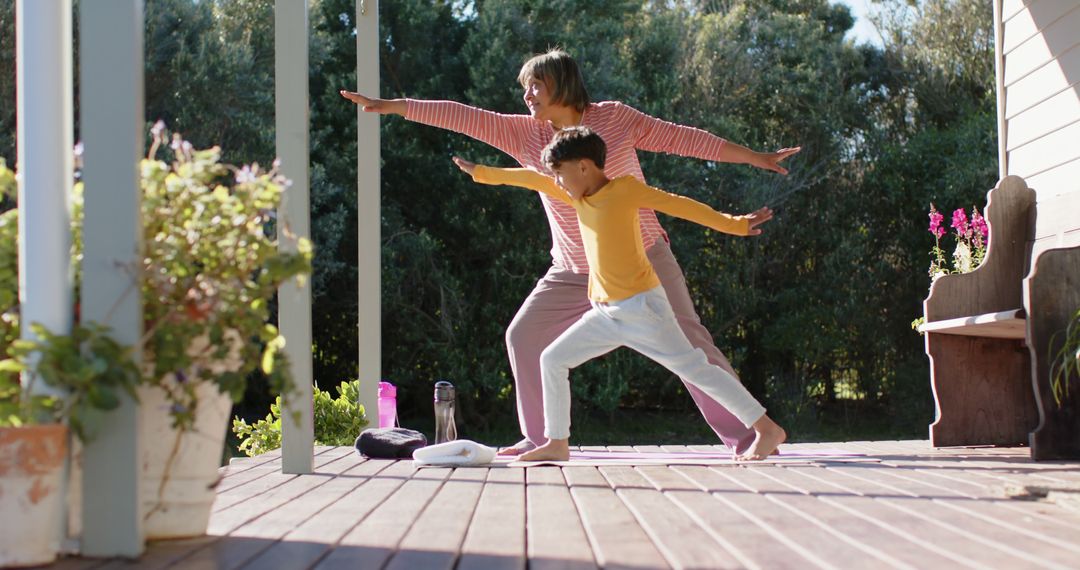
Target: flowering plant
[[971, 242], [209, 271], [86, 366]]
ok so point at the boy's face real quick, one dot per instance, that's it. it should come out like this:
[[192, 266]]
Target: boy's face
[[571, 176], [537, 98]]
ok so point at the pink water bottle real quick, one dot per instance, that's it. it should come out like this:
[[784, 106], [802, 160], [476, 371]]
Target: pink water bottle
[[387, 405]]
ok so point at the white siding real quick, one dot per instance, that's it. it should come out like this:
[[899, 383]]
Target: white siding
[[1041, 82]]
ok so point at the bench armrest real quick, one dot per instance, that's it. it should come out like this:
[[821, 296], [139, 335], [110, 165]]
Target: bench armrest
[[1004, 324], [997, 285]]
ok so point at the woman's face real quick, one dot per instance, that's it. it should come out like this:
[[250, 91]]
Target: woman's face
[[538, 99]]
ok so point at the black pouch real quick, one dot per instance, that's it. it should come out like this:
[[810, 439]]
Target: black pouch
[[389, 443]]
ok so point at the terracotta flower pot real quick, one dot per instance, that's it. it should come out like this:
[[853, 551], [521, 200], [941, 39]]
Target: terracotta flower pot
[[31, 494]]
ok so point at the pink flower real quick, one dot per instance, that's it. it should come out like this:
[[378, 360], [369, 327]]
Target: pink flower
[[979, 228], [935, 222], [978, 223], [960, 223]]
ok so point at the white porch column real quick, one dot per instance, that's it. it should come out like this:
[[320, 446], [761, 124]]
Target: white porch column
[[368, 209], [44, 164], [294, 303], [999, 88], [44, 147], [112, 132]]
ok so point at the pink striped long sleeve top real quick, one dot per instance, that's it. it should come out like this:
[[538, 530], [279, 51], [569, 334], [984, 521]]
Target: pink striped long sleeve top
[[624, 130]]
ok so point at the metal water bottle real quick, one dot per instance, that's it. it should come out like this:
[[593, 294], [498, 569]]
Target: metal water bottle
[[445, 430]]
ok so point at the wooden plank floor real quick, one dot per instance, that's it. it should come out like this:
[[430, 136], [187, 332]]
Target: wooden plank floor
[[916, 508]]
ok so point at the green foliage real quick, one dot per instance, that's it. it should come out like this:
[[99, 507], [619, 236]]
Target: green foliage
[[86, 370], [7, 79], [209, 69], [210, 271], [9, 266], [1065, 365], [337, 421]]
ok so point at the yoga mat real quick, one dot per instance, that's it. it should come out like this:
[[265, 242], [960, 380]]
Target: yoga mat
[[632, 458], [702, 455]]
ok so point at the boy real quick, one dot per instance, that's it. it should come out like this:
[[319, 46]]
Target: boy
[[629, 306]]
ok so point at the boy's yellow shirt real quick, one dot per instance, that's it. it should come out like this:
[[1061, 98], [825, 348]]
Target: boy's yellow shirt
[[610, 232]]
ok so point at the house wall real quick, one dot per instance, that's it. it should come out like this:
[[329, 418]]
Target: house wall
[[1039, 76]]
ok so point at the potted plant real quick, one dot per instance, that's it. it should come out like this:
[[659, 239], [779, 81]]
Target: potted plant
[[72, 374], [209, 271]]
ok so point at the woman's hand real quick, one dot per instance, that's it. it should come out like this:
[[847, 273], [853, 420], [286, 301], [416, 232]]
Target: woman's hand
[[771, 160], [759, 217], [465, 165], [380, 106]]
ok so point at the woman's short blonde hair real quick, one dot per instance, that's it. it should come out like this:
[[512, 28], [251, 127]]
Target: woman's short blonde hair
[[560, 73]]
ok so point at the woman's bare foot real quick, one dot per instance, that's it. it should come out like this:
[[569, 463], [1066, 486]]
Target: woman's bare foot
[[769, 437], [517, 449], [553, 450]]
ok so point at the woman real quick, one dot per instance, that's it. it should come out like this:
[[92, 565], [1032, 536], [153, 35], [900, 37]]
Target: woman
[[556, 98]]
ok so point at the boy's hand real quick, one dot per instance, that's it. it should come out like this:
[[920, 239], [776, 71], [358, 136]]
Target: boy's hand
[[757, 218], [771, 160], [380, 106], [465, 165]]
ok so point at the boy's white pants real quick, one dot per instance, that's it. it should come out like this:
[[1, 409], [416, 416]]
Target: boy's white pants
[[645, 323]]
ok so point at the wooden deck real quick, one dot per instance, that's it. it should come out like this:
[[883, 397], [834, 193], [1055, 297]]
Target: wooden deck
[[914, 508]]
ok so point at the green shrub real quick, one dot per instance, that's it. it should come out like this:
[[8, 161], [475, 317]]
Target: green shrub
[[337, 421]]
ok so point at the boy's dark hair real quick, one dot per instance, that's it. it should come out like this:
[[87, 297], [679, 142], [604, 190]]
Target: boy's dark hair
[[575, 143], [560, 73]]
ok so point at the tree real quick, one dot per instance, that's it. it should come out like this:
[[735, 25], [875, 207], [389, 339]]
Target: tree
[[815, 313]]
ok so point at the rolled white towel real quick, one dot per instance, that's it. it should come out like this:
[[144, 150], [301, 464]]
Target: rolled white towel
[[454, 453]]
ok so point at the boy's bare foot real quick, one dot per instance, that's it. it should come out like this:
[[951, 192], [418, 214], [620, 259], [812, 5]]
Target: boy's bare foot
[[553, 450], [518, 448], [769, 437]]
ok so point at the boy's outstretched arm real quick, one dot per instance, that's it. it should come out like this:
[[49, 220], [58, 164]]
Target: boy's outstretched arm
[[521, 177], [689, 209], [380, 106]]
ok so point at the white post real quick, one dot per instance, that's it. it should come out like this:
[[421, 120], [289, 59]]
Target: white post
[[112, 131], [999, 87], [44, 141], [294, 303], [44, 163], [368, 238]]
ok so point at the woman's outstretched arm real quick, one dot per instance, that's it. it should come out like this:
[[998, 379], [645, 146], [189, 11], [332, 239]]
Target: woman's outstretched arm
[[507, 133], [658, 135]]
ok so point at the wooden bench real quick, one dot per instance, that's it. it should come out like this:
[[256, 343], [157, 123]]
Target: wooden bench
[[988, 333]]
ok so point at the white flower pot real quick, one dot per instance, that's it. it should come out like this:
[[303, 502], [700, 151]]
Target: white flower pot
[[180, 468], [31, 496]]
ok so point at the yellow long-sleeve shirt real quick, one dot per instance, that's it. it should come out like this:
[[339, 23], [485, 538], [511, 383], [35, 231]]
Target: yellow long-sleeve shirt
[[610, 231]]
